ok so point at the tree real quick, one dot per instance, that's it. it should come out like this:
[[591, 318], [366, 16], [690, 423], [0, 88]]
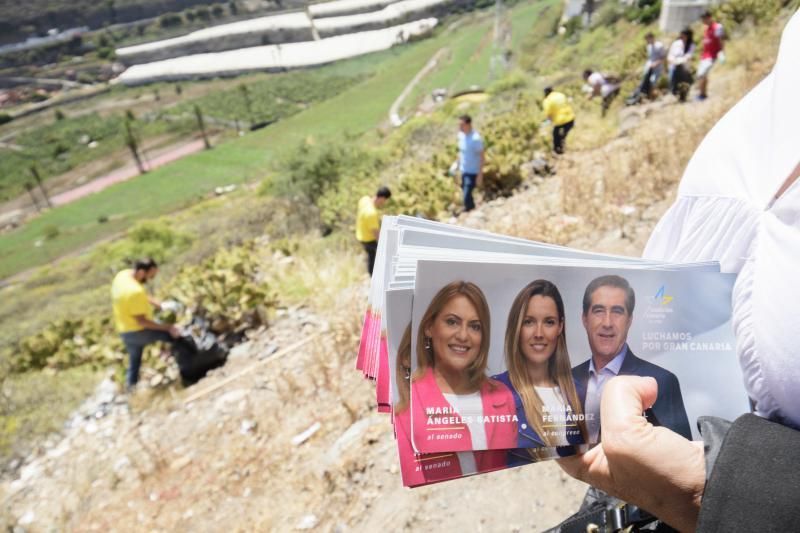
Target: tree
[[201, 124], [132, 142], [247, 104]]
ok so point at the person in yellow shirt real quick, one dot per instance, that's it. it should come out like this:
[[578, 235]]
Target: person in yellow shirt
[[559, 112], [368, 224], [133, 315]]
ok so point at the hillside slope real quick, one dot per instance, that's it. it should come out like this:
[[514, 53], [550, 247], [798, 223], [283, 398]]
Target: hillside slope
[[227, 460]]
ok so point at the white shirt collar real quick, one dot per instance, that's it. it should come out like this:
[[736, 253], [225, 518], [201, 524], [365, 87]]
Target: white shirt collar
[[615, 363]]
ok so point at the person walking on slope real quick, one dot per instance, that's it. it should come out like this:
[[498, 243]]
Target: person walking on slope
[[133, 315], [599, 85], [368, 224], [558, 111], [680, 53], [653, 68], [713, 35], [470, 159]]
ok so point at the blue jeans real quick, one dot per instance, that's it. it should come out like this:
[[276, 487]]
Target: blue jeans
[[467, 186], [134, 342]]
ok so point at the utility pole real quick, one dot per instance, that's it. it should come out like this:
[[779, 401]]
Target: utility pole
[[247, 104], [38, 179], [29, 188], [199, 115]]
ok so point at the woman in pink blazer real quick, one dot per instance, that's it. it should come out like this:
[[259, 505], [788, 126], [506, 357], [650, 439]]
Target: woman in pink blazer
[[455, 406], [420, 468]]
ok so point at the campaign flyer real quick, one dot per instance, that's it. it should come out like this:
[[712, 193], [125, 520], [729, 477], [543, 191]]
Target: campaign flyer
[[515, 356]]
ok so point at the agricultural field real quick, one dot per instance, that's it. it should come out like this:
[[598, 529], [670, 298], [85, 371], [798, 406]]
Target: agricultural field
[[271, 98], [67, 143]]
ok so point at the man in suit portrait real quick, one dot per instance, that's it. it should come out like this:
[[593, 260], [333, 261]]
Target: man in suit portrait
[[608, 304]]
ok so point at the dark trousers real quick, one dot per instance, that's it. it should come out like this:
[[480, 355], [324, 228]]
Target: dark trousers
[[371, 248], [680, 81], [134, 342], [560, 134], [467, 186], [645, 86]]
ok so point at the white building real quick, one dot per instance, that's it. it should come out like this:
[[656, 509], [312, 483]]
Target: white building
[[677, 14]]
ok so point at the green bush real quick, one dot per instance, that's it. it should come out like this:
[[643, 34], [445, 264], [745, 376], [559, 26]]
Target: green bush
[[230, 290], [202, 12], [645, 12], [106, 52], [572, 27], [68, 343], [5, 118], [425, 190], [513, 81], [330, 175], [146, 239], [170, 20], [608, 14], [313, 168], [510, 139], [51, 232], [737, 12], [86, 78]]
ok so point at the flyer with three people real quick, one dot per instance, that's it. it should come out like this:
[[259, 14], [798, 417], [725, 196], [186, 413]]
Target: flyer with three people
[[512, 358]]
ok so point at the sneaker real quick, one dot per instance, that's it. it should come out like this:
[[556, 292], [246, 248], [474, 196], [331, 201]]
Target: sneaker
[[701, 97]]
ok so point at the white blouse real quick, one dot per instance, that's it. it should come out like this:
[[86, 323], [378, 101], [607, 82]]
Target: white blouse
[[726, 211]]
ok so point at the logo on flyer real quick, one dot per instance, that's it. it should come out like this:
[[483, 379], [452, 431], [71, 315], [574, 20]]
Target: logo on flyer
[[660, 306], [661, 296]]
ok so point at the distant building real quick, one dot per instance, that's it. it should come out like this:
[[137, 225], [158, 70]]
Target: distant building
[[677, 14]]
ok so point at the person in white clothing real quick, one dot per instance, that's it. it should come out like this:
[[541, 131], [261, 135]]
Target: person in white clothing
[[599, 85], [679, 55]]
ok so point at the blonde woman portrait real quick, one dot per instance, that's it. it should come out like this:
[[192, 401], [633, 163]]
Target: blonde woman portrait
[[539, 373]]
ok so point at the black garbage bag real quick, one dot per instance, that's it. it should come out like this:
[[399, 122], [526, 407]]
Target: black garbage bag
[[197, 351]]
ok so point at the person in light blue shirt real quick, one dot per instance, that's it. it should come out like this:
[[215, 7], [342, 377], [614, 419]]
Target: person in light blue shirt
[[470, 159]]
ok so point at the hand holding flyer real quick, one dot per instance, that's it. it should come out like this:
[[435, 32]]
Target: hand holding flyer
[[672, 466], [498, 358]]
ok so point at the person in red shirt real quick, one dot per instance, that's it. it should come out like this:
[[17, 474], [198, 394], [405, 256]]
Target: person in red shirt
[[713, 35]]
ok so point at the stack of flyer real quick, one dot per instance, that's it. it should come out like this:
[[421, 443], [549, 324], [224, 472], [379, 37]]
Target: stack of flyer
[[491, 352]]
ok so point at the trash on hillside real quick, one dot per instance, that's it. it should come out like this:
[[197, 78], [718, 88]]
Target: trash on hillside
[[300, 438]]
